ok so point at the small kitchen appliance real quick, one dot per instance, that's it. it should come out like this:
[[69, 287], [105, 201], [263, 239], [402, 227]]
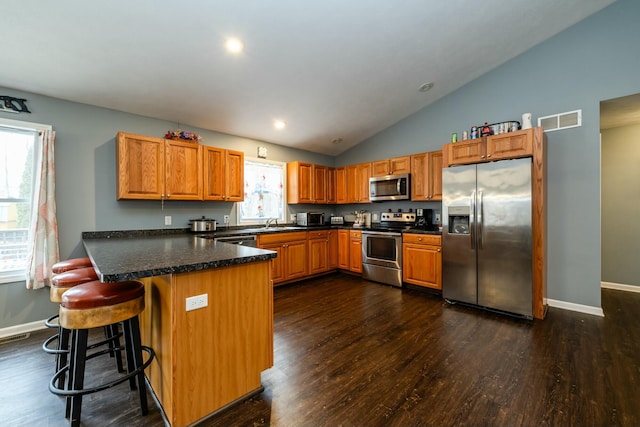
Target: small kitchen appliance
[[424, 220], [307, 219], [203, 224]]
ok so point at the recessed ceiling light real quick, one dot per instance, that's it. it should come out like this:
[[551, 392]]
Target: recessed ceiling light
[[234, 45], [279, 124], [425, 87], [336, 141]]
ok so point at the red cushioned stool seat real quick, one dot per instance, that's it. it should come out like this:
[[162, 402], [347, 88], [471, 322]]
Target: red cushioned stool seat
[[70, 264]]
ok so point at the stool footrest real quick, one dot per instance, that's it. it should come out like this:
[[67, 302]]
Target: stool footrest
[[63, 392]]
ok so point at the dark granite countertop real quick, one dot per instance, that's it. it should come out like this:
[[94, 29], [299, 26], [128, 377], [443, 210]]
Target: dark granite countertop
[[138, 256]]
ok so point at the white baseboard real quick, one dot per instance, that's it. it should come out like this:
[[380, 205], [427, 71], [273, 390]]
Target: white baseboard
[[596, 311], [21, 329], [620, 287]]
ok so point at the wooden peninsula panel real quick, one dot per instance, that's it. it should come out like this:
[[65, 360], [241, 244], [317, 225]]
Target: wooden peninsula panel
[[209, 357]]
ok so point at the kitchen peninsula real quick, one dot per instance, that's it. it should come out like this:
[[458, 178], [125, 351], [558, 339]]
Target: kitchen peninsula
[[207, 357]]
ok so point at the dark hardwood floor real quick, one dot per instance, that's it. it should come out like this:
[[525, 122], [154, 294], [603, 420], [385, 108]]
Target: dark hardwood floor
[[354, 353]]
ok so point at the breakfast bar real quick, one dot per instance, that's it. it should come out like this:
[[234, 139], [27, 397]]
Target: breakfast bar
[[208, 315]]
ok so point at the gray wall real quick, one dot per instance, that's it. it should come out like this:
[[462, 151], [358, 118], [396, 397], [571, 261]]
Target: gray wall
[[594, 60], [621, 205], [86, 184]]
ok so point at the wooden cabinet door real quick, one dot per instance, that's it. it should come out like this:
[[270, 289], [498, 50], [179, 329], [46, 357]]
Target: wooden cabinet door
[[277, 263], [400, 165], [140, 167], [393, 166], [296, 259], [422, 260], [299, 182], [380, 168], [319, 184], [363, 175], [341, 185], [318, 254], [434, 169], [332, 248], [510, 145], [419, 177], [343, 249], [214, 172], [355, 254], [465, 152], [352, 184], [234, 175], [422, 265], [183, 170], [331, 185]]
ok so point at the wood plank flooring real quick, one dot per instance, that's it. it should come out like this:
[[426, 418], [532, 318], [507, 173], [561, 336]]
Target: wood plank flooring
[[349, 352]]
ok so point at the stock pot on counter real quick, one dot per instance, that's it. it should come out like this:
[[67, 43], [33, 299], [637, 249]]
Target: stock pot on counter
[[203, 224]]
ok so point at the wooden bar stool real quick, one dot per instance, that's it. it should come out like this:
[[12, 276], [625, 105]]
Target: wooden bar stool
[[91, 305]]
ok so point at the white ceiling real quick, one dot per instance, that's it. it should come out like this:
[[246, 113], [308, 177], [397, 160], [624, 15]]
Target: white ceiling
[[328, 68]]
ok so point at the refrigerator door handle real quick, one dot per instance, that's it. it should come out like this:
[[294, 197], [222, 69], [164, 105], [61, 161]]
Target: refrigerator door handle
[[480, 218], [472, 214]]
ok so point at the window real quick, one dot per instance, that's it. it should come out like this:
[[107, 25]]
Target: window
[[264, 192], [17, 170]]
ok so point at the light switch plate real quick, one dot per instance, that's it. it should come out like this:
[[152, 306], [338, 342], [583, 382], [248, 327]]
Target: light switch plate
[[167, 220]]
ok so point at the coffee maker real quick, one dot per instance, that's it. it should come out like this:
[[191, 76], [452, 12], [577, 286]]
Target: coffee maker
[[424, 220]]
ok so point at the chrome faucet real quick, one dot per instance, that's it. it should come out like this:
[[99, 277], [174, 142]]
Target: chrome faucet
[[270, 221]]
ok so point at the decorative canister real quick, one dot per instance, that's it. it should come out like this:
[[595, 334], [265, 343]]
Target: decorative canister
[[474, 132]]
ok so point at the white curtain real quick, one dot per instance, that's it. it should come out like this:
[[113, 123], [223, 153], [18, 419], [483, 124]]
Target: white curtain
[[43, 230]]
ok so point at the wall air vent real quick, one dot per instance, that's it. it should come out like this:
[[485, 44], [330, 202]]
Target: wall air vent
[[570, 119]]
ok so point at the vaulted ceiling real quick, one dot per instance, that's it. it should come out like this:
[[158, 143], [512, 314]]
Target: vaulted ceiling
[[330, 69]]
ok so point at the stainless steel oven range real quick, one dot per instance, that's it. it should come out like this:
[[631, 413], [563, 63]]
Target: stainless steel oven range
[[382, 248]]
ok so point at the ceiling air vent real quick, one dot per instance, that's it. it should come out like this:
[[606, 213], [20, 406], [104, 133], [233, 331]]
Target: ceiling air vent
[[570, 119]]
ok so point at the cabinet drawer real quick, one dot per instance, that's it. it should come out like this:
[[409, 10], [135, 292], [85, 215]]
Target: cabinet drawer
[[355, 234], [265, 239], [423, 239], [318, 234]]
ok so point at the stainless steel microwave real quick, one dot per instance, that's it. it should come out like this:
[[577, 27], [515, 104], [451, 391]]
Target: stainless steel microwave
[[389, 187]]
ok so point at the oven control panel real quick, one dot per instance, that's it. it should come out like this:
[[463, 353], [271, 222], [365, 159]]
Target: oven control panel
[[403, 217]]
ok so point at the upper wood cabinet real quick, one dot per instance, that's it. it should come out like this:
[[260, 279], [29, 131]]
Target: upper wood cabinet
[[393, 166], [331, 186], [426, 176], [306, 183], [341, 185], [154, 168], [358, 183], [509, 145], [223, 174]]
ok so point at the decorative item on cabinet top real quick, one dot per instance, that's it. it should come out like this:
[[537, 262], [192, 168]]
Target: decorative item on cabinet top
[[183, 135]]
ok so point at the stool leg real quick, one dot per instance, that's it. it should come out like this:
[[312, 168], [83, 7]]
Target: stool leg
[[78, 361], [61, 358], [112, 332], [133, 346]]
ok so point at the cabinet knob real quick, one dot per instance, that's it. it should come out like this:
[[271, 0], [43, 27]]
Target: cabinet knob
[[488, 155], [482, 157], [439, 250]]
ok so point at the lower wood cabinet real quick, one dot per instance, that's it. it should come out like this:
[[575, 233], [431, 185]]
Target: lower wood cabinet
[[318, 248], [422, 260], [350, 250], [291, 262]]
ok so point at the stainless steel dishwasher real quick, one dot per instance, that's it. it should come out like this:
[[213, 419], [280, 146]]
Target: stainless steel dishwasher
[[250, 240]]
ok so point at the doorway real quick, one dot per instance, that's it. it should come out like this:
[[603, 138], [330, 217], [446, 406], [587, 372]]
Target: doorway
[[620, 192]]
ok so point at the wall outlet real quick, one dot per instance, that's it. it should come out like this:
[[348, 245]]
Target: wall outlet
[[374, 217], [292, 217], [226, 219], [437, 218], [167, 220], [198, 301]]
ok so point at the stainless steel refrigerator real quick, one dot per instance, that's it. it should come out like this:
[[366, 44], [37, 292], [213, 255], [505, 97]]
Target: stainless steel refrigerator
[[487, 237]]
